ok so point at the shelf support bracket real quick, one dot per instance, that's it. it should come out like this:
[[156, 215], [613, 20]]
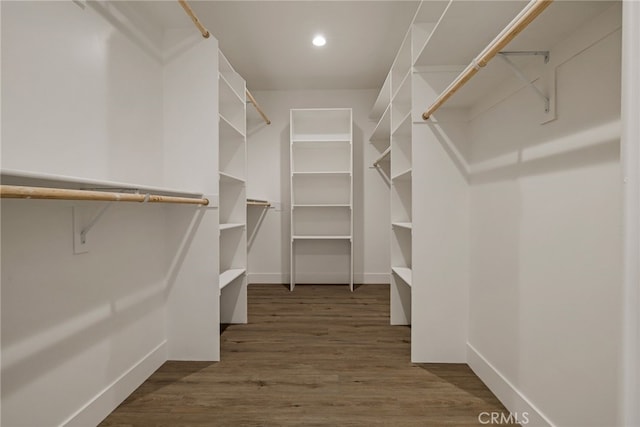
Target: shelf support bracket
[[520, 74], [87, 228]]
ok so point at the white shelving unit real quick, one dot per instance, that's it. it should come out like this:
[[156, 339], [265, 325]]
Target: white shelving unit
[[232, 190], [431, 293], [321, 155]]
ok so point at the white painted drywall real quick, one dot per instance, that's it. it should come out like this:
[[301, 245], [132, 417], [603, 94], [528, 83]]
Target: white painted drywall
[[631, 168], [268, 178], [82, 95], [440, 240], [546, 225], [190, 124]]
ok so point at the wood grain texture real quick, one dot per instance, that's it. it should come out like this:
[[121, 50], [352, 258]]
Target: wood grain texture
[[317, 356]]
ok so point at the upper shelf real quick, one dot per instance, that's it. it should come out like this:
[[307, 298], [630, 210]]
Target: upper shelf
[[321, 124], [555, 24], [382, 102], [37, 179], [231, 78], [458, 37]]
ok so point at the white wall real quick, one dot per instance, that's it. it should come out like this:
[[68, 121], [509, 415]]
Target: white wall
[[82, 95], [546, 203], [268, 170], [631, 169], [190, 90]]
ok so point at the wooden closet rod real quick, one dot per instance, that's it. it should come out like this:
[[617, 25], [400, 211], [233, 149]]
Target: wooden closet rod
[[534, 8], [254, 202], [19, 192], [384, 154], [255, 104], [194, 18]]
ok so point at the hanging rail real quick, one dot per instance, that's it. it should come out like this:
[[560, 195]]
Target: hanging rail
[[194, 18], [206, 34], [255, 104], [533, 9], [384, 154], [20, 192]]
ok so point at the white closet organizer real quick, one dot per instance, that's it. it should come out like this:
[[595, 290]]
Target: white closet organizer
[[321, 156], [232, 159], [427, 248]]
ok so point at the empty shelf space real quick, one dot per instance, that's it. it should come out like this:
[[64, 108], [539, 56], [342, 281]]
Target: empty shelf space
[[407, 225], [225, 177], [382, 132], [323, 173], [230, 275], [404, 273], [449, 45], [231, 225], [309, 237], [229, 130], [405, 175]]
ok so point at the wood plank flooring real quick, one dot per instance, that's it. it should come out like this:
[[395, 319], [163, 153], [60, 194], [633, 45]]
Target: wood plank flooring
[[319, 356]]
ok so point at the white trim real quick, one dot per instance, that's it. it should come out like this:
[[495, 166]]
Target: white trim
[[372, 278], [270, 278], [101, 405], [630, 158], [512, 398]]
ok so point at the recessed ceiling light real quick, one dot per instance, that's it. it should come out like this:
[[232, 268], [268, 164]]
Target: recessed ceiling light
[[319, 40]]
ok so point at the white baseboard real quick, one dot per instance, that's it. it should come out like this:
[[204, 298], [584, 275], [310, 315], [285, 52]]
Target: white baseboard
[[512, 398], [372, 278], [115, 393], [271, 278], [358, 278]]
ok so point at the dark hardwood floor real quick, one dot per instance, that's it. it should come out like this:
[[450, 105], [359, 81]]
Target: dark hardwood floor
[[319, 356]]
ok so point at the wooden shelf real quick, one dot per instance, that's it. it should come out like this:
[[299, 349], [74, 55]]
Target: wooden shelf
[[404, 273], [229, 276]]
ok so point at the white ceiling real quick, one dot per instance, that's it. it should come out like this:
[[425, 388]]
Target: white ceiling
[[269, 42]]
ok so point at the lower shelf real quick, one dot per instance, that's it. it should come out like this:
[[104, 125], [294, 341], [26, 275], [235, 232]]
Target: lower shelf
[[299, 237], [404, 273], [230, 275]]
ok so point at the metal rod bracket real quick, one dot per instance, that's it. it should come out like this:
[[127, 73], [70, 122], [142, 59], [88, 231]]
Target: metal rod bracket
[[522, 77]]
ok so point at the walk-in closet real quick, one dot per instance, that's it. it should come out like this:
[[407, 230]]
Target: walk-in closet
[[322, 213]]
